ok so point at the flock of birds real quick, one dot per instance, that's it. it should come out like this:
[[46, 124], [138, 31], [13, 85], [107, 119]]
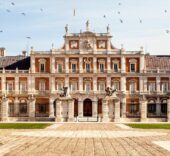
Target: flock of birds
[[22, 13], [74, 14]]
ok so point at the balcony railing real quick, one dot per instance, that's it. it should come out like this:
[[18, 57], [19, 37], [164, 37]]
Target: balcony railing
[[133, 115]]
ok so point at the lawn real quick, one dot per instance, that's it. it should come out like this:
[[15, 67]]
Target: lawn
[[23, 125], [150, 126]]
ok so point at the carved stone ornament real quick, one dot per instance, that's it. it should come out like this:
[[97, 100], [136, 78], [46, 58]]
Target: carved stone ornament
[[87, 45]]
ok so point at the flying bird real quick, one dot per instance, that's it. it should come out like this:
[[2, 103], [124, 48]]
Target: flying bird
[[12, 3], [167, 31], [165, 11], [121, 21], [118, 12], [1, 31], [119, 4], [140, 21], [23, 14], [8, 10], [104, 16], [41, 9], [28, 37]]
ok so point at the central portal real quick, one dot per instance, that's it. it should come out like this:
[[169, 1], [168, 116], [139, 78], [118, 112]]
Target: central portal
[[87, 107]]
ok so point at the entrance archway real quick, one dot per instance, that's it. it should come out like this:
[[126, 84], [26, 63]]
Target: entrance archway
[[87, 107]]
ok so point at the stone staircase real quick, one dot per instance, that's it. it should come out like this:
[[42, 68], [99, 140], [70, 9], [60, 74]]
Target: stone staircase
[[87, 119]]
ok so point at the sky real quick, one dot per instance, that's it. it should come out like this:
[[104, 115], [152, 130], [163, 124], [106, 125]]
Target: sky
[[44, 22]]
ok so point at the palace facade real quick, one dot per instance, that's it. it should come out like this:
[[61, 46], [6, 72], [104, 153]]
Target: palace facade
[[86, 64]]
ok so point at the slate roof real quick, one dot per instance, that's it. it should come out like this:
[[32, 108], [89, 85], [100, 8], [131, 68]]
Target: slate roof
[[13, 62], [158, 61]]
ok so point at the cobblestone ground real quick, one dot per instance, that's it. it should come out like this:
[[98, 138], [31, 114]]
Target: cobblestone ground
[[20, 145]]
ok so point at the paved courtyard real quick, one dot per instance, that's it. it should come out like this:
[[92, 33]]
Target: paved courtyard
[[81, 139]]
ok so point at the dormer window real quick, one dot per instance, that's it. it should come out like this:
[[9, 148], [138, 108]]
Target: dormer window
[[133, 63], [42, 65]]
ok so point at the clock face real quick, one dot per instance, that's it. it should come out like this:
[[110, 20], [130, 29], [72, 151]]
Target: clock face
[[102, 44], [73, 44]]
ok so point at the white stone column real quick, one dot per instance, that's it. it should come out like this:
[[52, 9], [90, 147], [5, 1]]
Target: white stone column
[[168, 110], [142, 63], [124, 106], [16, 85], [3, 84], [29, 84], [94, 108], [123, 84], [145, 88], [33, 84], [80, 109], [95, 84], [117, 110], [58, 111], [51, 108], [80, 84], [143, 110], [52, 64], [108, 83], [141, 84], [94, 64], [158, 84], [32, 64], [66, 65], [4, 109], [71, 110], [123, 64], [81, 64], [31, 106], [52, 84], [16, 106], [66, 45], [108, 65], [109, 44], [105, 110]]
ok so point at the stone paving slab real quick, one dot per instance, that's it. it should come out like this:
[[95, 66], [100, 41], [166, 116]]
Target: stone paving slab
[[19, 145], [88, 134], [164, 144]]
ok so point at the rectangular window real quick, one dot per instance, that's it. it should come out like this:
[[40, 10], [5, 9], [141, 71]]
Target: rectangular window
[[133, 108], [42, 86], [42, 108], [101, 87], [132, 87], [73, 68], [42, 67], [23, 87], [87, 87], [115, 85], [115, 67], [9, 87], [87, 67], [59, 86], [152, 86], [165, 86], [23, 108], [73, 86], [132, 67], [101, 66], [151, 108], [164, 108], [60, 68]]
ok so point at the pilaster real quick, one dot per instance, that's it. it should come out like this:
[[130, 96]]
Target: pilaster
[[143, 110], [94, 108], [108, 65], [31, 106], [94, 64], [105, 110], [123, 64], [81, 64], [117, 110], [168, 110], [66, 65], [80, 108], [51, 108], [4, 109], [16, 85], [16, 106], [71, 110]]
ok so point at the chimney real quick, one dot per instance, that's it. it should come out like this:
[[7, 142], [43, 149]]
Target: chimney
[[2, 52], [24, 53]]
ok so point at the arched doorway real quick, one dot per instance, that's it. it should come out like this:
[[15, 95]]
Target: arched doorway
[[87, 107]]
